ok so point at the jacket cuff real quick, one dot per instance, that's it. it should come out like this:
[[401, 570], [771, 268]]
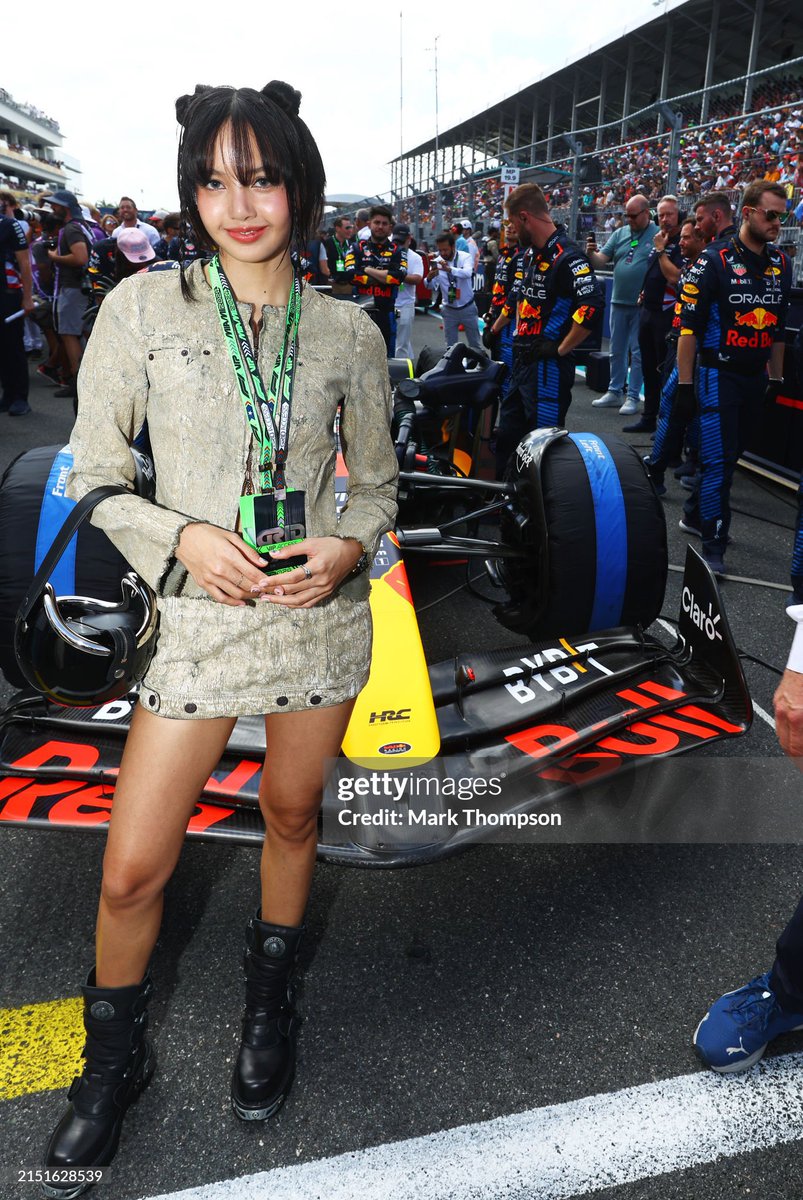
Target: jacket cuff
[[795, 661]]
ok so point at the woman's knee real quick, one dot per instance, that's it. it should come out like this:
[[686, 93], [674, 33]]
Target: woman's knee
[[291, 822], [131, 884]]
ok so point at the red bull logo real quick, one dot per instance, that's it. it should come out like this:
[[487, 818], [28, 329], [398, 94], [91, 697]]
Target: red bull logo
[[757, 318], [584, 313], [760, 320], [529, 312]]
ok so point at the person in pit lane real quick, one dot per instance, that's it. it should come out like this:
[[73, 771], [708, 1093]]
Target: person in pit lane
[[668, 443], [501, 347], [376, 267], [557, 303], [739, 1026], [169, 346], [734, 304]]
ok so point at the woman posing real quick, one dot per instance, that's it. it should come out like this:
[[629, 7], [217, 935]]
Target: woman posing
[[240, 371]]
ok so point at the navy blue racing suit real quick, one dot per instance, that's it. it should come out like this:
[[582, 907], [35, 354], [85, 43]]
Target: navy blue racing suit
[[735, 302], [668, 443], [554, 286], [383, 256]]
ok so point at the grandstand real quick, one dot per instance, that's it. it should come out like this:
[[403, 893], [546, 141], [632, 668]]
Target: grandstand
[[706, 96]]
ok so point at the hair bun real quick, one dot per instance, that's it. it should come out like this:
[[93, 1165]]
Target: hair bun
[[286, 97], [184, 103]]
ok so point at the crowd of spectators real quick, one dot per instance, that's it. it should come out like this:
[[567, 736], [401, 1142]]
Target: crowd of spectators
[[77, 254], [29, 110], [725, 154]]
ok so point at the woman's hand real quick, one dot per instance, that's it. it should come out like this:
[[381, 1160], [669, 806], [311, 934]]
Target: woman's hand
[[329, 561], [220, 562]]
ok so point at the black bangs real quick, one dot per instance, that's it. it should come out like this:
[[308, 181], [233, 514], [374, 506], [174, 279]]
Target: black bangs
[[248, 121], [285, 149]]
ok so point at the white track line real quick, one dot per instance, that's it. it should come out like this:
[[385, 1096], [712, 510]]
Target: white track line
[[556, 1152], [765, 716], [765, 583]]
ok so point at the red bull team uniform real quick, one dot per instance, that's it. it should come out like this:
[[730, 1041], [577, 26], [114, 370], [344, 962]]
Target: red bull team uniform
[[553, 286], [669, 437], [734, 301], [382, 256], [504, 277]]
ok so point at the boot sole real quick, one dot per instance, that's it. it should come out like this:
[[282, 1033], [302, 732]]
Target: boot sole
[[108, 1152], [266, 1111]]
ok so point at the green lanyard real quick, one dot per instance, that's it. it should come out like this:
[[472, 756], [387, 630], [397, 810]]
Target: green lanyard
[[267, 414]]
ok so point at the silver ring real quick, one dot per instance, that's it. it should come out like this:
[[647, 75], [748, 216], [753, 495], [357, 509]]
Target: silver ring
[[306, 570], [239, 582]]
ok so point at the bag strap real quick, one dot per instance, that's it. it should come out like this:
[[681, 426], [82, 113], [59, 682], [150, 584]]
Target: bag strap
[[61, 541]]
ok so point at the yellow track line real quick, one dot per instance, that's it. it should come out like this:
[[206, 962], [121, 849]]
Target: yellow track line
[[40, 1046]]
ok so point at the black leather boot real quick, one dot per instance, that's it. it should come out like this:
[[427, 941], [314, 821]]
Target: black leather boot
[[265, 1064], [120, 1061]]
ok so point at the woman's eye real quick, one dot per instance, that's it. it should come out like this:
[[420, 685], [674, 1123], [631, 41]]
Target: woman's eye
[[262, 182], [213, 185]]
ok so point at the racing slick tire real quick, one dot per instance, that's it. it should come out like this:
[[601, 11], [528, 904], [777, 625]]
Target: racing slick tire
[[595, 530]]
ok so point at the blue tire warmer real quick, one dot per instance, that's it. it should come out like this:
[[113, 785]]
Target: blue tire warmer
[[597, 533]]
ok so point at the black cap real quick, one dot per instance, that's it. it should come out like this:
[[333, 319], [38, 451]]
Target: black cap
[[401, 230]]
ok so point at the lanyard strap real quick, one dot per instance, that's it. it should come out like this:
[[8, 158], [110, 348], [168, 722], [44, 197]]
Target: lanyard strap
[[267, 413]]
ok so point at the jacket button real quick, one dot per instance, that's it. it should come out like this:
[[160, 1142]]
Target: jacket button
[[150, 356], [282, 700], [190, 708], [151, 700], [315, 699], [184, 353], [207, 351]]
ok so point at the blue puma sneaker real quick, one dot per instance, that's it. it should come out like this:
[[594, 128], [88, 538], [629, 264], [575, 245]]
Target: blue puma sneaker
[[735, 1031]]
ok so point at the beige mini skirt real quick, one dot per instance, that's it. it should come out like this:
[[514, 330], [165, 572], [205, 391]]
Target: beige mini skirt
[[215, 660]]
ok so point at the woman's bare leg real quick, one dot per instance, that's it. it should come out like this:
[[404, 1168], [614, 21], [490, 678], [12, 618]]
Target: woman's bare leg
[[298, 744], [164, 768]]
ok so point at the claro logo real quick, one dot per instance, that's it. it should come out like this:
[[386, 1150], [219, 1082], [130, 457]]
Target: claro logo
[[705, 622]]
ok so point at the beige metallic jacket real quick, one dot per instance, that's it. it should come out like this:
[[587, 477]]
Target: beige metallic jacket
[[154, 355]]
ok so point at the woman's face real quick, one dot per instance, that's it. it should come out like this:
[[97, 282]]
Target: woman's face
[[250, 223]]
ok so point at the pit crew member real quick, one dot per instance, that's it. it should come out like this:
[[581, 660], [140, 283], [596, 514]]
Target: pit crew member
[[734, 304], [376, 267], [557, 302], [668, 442]]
